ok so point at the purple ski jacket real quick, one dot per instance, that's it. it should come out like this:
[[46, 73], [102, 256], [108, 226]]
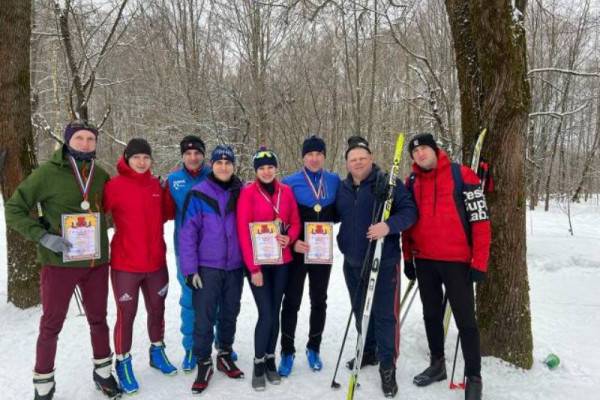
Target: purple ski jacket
[[208, 235]]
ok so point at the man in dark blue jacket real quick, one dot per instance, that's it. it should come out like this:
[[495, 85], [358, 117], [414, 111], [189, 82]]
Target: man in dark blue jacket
[[314, 189], [356, 201]]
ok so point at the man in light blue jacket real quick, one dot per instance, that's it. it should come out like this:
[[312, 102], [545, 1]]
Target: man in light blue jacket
[[180, 182]]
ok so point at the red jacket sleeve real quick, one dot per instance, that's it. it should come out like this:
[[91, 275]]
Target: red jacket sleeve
[[481, 231], [406, 237], [244, 217], [108, 197], [168, 204]]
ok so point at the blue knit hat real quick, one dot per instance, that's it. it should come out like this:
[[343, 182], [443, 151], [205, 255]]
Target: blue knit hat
[[313, 143], [223, 152], [264, 157]]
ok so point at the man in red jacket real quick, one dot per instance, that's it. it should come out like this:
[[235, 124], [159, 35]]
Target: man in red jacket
[[449, 246], [139, 207]]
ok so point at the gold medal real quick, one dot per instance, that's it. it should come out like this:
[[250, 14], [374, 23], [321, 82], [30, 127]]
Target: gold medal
[[317, 207]]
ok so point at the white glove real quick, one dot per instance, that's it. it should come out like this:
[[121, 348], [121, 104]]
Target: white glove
[[55, 243], [194, 281]]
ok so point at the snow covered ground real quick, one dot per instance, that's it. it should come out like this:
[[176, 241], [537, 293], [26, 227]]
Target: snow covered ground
[[564, 274]]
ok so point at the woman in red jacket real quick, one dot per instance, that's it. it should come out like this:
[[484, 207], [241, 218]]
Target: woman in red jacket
[[139, 207], [264, 200]]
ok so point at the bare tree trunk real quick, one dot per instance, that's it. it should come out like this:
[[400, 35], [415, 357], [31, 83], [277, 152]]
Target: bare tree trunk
[[590, 156], [491, 60], [16, 142]]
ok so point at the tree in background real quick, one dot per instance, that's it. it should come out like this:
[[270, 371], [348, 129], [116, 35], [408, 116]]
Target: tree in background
[[490, 50], [17, 149]]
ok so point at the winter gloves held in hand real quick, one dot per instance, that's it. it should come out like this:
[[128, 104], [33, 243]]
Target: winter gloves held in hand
[[476, 276], [381, 188], [55, 243], [409, 270], [193, 281]]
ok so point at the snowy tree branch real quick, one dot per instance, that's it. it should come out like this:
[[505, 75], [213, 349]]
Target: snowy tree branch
[[564, 71], [556, 114]]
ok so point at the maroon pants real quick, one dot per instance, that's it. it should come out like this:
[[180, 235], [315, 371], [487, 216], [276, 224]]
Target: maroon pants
[[126, 286], [57, 285]]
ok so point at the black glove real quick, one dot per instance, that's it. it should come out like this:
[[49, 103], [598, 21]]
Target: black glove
[[381, 187], [409, 270], [193, 281], [476, 276]]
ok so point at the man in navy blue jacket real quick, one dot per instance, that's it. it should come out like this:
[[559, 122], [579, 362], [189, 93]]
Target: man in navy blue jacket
[[355, 203]]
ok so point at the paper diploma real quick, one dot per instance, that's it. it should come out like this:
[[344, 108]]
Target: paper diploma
[[83, 232], [319, 237], [265, 248]]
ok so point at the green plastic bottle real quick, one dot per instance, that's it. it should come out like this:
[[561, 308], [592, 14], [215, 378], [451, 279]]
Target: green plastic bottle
[[552, 361]]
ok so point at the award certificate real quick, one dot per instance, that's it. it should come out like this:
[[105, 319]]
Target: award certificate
[[319, 237], [83, 232], [265, 248]]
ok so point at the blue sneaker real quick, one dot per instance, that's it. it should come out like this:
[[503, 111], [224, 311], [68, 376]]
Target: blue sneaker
[[126, 377], [189, 361], [159, 360], [286, 364], [314, 361]]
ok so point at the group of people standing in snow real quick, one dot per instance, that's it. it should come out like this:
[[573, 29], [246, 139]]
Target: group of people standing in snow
[[442, 243]]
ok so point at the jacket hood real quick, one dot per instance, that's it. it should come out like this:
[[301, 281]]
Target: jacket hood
[[443, 161], [125, 170]]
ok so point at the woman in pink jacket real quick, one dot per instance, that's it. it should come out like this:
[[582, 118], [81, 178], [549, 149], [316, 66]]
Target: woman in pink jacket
[[266, 199]]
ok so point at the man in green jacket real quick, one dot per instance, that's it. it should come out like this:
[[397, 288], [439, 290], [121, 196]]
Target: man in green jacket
[[69, 183]]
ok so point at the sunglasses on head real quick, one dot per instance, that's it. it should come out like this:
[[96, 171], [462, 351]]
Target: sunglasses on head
[[263, 154]]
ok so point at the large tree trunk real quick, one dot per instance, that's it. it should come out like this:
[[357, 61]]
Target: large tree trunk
[[16, 142], [491, 62]]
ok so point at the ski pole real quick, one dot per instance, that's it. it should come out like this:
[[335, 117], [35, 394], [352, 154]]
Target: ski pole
[[79, 301], [408, 289], [452, 384], [405, 297], [334, 384], [412, 298]]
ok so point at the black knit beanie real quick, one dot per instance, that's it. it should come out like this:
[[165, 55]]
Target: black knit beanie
[[422, 139], [313, 143], [264, 157], [137, 146], [192, 142], [357, 142]]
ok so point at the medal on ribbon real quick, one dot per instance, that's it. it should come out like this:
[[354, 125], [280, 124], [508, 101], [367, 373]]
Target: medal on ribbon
[[84, 186], [318, 193]]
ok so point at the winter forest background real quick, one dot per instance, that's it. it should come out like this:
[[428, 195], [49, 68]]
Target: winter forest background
[[269, 72]]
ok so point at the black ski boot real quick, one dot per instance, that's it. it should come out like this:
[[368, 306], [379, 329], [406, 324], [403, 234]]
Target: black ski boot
[[205, 371], [104, 379], [473, 388], [388, 381], [271, 370], [434, 373], [258, 375], [369, 358], [44, 383]]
